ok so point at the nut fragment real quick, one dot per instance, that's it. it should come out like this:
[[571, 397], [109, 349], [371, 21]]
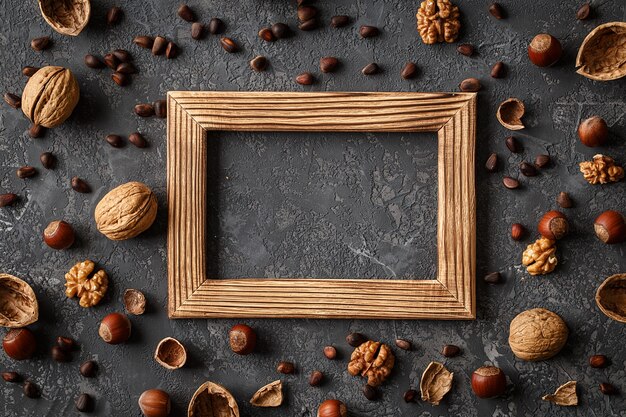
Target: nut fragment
[[18, 303], [68, 17], [134, 301], [564, 395], [436, 382], [601, 170], [270, 395], [539, 258], [211, 399], [170, 353], [373, 360], [510, 113], [601, 55], [438, 21], [537, 334], [611, 297], [79, 284]]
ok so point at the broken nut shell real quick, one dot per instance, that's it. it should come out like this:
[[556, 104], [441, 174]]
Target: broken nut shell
[[510, 113], [270, 395], [68, 17], [170, 353], [600, 56], [611, 297], [134, 301], [18, 303], [436, 382], [211, 399]]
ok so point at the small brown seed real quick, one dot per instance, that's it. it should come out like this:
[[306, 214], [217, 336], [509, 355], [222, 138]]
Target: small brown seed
[[542, 161], [308, 25], [330, 352], [267, 35], [510, 183], [7, 199], [144, 110], [36, 131], [29, 71], [126, 68], [316, 378], [492, 163], [306, 78], [527, 169], [371, 69], [197, 30], [11, 377], [144, 41], [370, 392], [88, 369], [286, 367], [583, 12], [26, 172], [403, 344], [368, 31], [80, 186], [496, 11], [84, 403], [306, 13], [115, 140], [93, 61], [114, 15], [513, 144], [31, 390], [355, 339], [13, 100], [493, 278], [186, 13], [339, 21], [517, 231], [450, 351], [66, 343], [172, 50], [229, 45], [607, 389], [410, 396], [497, 71], [328, 64], [465, 49], [160, 108], [564, 200], [40, 44], [48, 160], [470, 85], [216, 26], [120, 78], [409, 71], [60, 355], [138, 140], [259, 63], [281, 30], [159, 45], [123, 55], [111, 61], [598, 361]]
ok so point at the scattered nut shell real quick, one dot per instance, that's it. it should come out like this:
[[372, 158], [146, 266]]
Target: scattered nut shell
[[435, 383], [210, 400], [564, 395], [170, 353], [611, 297], [601, 55], [271, 395], [18, 304], [68, 17], [134, 301], [510, 113]]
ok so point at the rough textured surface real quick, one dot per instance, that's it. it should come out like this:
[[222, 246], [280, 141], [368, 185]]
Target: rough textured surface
[[316, 205]]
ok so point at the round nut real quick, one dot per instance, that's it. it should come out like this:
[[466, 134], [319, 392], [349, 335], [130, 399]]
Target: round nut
[[242, 339], [59, 235], [488, 382], [537, 334], [170, 353], [593, 131], [155, 403], [553, 225], [115, 328], [19, 344], [610, 227]]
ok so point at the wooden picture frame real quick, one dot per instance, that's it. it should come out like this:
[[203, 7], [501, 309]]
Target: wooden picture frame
[[191, 117]]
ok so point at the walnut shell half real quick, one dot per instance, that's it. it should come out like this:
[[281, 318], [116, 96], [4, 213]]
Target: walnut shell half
[[18, 304], [270, 395], [68, 17], [611, 297], [564, 395], [537, 334], [126, 211], [50, 96], [212, 400], [436, 382], [602, 55]]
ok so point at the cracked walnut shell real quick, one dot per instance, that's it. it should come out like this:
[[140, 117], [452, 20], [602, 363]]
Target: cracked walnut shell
[[539, 258], [212, 400], [564, 395], [602, 54], [50, 96], [79, 284], [373, 360], [270, 395], [601, 170], [126, 211], [438, 21], [537, 334], [68, 17], [436, 382], [18, 303]]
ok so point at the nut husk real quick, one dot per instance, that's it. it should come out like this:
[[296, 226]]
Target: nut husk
[[126, 211], [212, 400], [18, 303], [601, 55], [510, 114], [611, 297], [170, 354], [270, 395], [564, 395], [68, 17], [435, 383], [50, 96], [537, 334], [134, 301]]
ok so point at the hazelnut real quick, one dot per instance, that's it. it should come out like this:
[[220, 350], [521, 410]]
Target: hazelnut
[[610, 227], [593, 131], [58, 235], [332, 408], [115, 328], [488, 382], [19, 344], [242, 339], [598, 361], [544, 50], [553, 225], [316, 378], [155, 403], [330, 352], [517, 231]]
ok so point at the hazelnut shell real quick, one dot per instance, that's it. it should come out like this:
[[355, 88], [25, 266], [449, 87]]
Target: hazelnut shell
[[134, 301], [170, 353], [611, 297], [510, 113]]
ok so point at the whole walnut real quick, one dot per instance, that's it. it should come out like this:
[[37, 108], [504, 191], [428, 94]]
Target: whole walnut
[[373, 360], [537, 334], [126, 211], [50, 96]]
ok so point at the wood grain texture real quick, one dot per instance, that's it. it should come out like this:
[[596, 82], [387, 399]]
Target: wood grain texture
[[450, 295]]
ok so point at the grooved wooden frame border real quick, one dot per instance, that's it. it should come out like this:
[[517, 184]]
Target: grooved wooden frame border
[[192, 294]]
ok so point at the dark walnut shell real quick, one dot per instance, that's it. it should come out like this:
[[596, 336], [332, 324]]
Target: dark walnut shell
[[18, 303], [68, 17], [212, 400], [602, 55], [611, 297]]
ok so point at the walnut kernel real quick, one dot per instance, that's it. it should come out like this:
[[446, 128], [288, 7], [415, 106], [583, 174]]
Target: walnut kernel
[[438, 21], [601, 170], [373, 360], [79, 284], [539, 258]]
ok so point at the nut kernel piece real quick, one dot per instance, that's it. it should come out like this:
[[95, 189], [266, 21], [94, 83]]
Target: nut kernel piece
[[373, 360], [438, 21], [170, 353], [537, 334], [539, 258], [564, 395], [18, 303], [601, 170], [435, 383], [271, 395], [79, 284]]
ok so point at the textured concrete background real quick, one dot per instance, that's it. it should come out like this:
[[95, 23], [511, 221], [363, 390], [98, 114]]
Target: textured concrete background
[[320, 205]]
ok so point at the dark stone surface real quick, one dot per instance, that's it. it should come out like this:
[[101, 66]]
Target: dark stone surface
[[321, 205]]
